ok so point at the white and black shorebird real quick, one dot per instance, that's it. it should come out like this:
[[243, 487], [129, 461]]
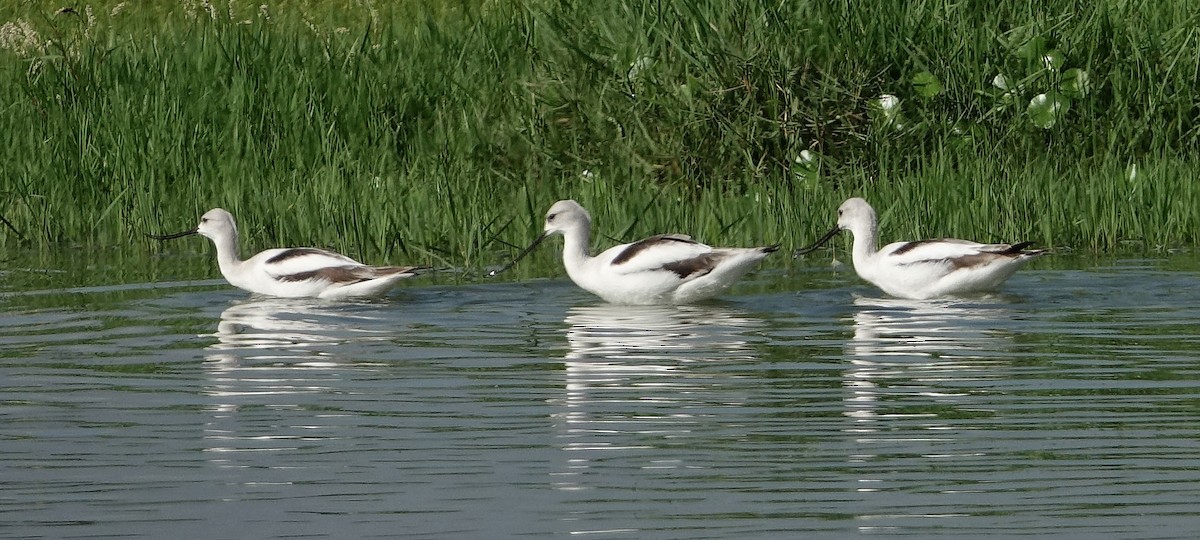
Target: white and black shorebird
[[292, 272], [664, 269], [925, 268]]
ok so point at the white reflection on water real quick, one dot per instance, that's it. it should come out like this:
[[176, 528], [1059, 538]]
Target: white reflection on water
[[911, 363], [265, 324], [631, 380], [270, 354], [913, 347]]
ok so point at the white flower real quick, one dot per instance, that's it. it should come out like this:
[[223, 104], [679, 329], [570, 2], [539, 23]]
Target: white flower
[[638, 66], [888, 107], [889, 103]]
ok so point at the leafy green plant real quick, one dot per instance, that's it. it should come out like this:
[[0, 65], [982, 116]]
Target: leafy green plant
[[441, 132], [1054, 89]]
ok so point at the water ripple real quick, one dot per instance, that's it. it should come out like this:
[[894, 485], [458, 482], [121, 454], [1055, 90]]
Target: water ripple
[[805, 404]]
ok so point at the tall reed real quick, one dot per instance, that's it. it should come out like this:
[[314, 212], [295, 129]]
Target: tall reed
[[440, 133]]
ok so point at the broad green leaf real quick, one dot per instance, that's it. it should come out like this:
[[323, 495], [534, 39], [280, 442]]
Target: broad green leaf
[[1075, 83], [1053, 59], [926, 84], [1035, 47], [1045, 109], [1017, 38]]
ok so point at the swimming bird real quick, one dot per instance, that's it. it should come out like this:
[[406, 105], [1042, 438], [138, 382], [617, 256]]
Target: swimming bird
[[664, 269], [924, 268], [292, 272]]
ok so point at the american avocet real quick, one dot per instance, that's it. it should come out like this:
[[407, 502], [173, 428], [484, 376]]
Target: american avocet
[[924, 268], [292, 272], [664, 269]]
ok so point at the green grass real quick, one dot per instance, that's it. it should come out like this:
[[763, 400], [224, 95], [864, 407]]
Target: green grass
[[438, 133]]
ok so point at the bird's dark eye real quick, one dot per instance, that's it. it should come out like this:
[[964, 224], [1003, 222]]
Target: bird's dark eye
[[203, 220], [551, 217]]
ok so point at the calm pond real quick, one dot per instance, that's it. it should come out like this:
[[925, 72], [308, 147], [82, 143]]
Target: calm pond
[[804, 404]]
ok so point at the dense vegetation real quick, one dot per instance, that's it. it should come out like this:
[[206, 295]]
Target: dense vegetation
[[440, 132]]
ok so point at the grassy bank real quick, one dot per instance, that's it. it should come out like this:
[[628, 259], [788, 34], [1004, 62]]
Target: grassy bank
[[440, 133]]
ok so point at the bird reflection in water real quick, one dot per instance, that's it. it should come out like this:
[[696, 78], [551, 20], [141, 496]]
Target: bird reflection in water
[[917, 381], [271, 353], [633, 378]]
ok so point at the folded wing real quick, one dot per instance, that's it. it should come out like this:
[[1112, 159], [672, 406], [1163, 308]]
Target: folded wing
[[286, 263], [948, 251], [669, 252]]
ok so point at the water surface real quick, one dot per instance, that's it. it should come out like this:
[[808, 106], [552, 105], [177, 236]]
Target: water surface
[[803, 404]]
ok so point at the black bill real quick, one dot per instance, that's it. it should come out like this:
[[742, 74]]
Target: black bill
[[173, 236], [806, 250], [519, 256]]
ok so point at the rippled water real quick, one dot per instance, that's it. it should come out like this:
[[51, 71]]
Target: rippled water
[[804, 404]]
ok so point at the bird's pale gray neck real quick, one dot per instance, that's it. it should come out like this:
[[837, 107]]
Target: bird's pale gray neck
[[575, 246], [865, 243], [228, 258]]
